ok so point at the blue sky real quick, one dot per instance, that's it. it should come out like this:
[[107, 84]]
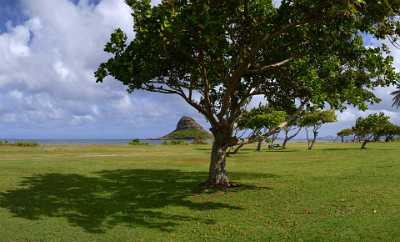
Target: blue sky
[[49, 50]]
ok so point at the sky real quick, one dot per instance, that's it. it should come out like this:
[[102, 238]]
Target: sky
[[49, 50]]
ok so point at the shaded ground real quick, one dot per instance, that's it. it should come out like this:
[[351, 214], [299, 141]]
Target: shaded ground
[[112, 197]]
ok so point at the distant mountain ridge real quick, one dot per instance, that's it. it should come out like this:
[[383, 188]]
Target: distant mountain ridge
[[188, 128]]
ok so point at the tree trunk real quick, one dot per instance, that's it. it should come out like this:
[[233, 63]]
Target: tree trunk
[[218, 177], [308, 139], [364, 144], [311, 145], [287, 137], [259, 143], [285, 142], [342, 138]]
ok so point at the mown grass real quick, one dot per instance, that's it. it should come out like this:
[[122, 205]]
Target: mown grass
[[147, 193]]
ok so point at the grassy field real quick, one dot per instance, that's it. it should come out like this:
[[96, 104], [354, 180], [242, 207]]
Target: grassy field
[[145, 193]]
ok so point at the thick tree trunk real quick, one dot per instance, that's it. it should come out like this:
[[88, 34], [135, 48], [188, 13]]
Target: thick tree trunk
[[342, 138], [218, 177], [217, 173]]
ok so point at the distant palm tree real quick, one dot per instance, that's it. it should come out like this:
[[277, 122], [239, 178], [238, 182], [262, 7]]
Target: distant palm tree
[[396, 98]]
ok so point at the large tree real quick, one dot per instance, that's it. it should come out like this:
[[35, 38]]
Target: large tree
[[217, 55]]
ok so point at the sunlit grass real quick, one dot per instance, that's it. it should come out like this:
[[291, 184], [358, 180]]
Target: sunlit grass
[[336, 192]]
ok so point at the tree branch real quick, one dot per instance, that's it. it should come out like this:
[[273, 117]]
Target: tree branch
[[267, 67]]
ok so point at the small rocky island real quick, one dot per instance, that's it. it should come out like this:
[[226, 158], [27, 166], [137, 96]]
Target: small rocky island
[[188, 128]]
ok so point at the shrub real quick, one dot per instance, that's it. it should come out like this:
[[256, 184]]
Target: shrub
[[137, 142], [26, 143], [4, 142], [175, 142]]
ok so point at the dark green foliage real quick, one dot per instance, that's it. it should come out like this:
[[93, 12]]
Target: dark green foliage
[[19, 143], [137, 142], [218, 55], [26, 144], [229, 51]]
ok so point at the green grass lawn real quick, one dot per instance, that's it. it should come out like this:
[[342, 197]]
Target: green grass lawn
[[145, 193]]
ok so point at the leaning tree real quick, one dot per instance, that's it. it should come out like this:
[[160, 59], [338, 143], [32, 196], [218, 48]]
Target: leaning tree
[[388, 131], [218, 55], [262, 122], [369, 129], [344, 133], [315, 119]]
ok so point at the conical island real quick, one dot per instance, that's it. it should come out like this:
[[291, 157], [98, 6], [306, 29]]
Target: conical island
[[188, 128]]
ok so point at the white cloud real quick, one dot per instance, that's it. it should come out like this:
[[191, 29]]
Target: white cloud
[[47, 78], [47, 83]]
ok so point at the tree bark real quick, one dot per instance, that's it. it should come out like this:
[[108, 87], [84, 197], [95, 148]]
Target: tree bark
[[218, 177]]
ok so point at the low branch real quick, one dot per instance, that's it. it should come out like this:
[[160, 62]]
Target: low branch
[[267, 67]]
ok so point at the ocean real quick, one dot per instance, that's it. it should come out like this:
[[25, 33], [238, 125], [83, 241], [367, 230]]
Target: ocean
[[86, 141]]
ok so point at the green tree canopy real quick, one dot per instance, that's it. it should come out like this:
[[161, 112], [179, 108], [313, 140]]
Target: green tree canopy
[[345, 132], [217, 55], [315, 119], [261, 118], [263, 122], [370, 127], [389, 131]]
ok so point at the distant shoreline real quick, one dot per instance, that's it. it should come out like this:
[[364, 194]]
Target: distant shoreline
[[154, 141]]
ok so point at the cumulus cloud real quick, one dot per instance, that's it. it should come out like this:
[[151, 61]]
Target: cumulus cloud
[[48, 89], [46, 76]]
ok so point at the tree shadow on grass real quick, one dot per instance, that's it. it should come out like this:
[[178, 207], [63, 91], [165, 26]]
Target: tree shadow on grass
[[97, 203]]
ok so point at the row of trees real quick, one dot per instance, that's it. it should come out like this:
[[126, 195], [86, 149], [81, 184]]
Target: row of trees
[[218, 55], [372, 128], [265, 123]]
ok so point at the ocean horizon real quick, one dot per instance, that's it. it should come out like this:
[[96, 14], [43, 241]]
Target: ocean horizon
[[118, 141], [85, 141]]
